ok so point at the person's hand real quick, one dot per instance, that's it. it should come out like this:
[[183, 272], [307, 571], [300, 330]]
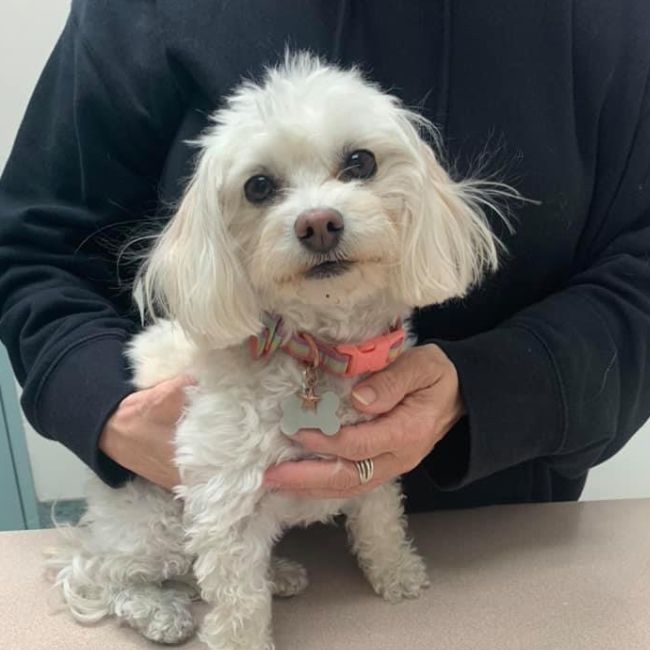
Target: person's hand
[[139, 435], [417, 399]]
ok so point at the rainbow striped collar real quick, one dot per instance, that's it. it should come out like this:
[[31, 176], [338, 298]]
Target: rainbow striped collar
[[344, 360]]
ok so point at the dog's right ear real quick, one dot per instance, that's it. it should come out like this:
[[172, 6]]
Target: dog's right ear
[[194, 276]]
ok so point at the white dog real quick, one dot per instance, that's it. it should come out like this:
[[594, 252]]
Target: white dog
[[317, 215]]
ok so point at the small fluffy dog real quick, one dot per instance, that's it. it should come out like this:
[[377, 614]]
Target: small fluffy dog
[[317, 213]]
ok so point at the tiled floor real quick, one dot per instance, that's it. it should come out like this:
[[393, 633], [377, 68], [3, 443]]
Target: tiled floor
[[67, 512]]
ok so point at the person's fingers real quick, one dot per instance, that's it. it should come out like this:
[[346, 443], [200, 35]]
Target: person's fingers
[[417, 368], [328, 478], [139, 435]]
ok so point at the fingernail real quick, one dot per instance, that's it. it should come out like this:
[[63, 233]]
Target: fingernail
[[365, 395]]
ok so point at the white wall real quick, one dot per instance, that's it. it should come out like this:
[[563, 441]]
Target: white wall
[[626, 475], [28, 31]]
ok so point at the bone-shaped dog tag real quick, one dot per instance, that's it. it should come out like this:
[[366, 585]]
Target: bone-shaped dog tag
[[296, 414]]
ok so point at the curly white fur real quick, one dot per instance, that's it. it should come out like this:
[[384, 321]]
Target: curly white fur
[[413, 237]]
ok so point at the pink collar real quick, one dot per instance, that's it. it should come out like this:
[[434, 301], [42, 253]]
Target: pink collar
[[345, 360]]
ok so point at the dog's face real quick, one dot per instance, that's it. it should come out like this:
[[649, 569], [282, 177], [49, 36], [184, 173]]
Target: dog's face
[[314, 187]]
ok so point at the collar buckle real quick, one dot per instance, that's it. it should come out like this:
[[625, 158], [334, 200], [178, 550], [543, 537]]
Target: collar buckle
[[372, 355]]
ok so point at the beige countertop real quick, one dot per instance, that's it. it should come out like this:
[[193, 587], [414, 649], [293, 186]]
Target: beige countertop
[[552, 577]]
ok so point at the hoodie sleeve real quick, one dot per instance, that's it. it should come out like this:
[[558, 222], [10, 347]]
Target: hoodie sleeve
[[567, 381], [85, 164]]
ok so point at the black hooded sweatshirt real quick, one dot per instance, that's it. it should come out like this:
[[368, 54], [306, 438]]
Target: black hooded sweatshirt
[[551, 96]]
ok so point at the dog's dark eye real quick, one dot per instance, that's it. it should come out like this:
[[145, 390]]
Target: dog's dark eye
[[259, 188], [359, 165]]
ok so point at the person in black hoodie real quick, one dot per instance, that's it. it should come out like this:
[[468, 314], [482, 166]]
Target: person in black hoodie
[[551, 353]]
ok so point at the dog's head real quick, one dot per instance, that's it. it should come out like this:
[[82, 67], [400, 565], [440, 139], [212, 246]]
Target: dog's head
[[314, 187]]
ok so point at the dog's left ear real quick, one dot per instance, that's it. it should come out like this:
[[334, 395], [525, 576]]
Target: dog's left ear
[[447, 242], [194, 274]]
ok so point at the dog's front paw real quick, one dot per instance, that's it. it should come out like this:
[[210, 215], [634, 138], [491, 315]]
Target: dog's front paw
[[169, 628], [288, 578], [161, 615], [406, 578]]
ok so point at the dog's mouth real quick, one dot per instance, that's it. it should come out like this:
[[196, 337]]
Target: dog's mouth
[[329, 269]]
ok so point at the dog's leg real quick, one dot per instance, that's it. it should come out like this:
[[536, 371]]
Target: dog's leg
[[161, 614], [377, 530], [232, 542]]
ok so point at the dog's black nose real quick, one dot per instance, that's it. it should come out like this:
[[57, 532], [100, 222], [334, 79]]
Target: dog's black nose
[[319, 230]]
